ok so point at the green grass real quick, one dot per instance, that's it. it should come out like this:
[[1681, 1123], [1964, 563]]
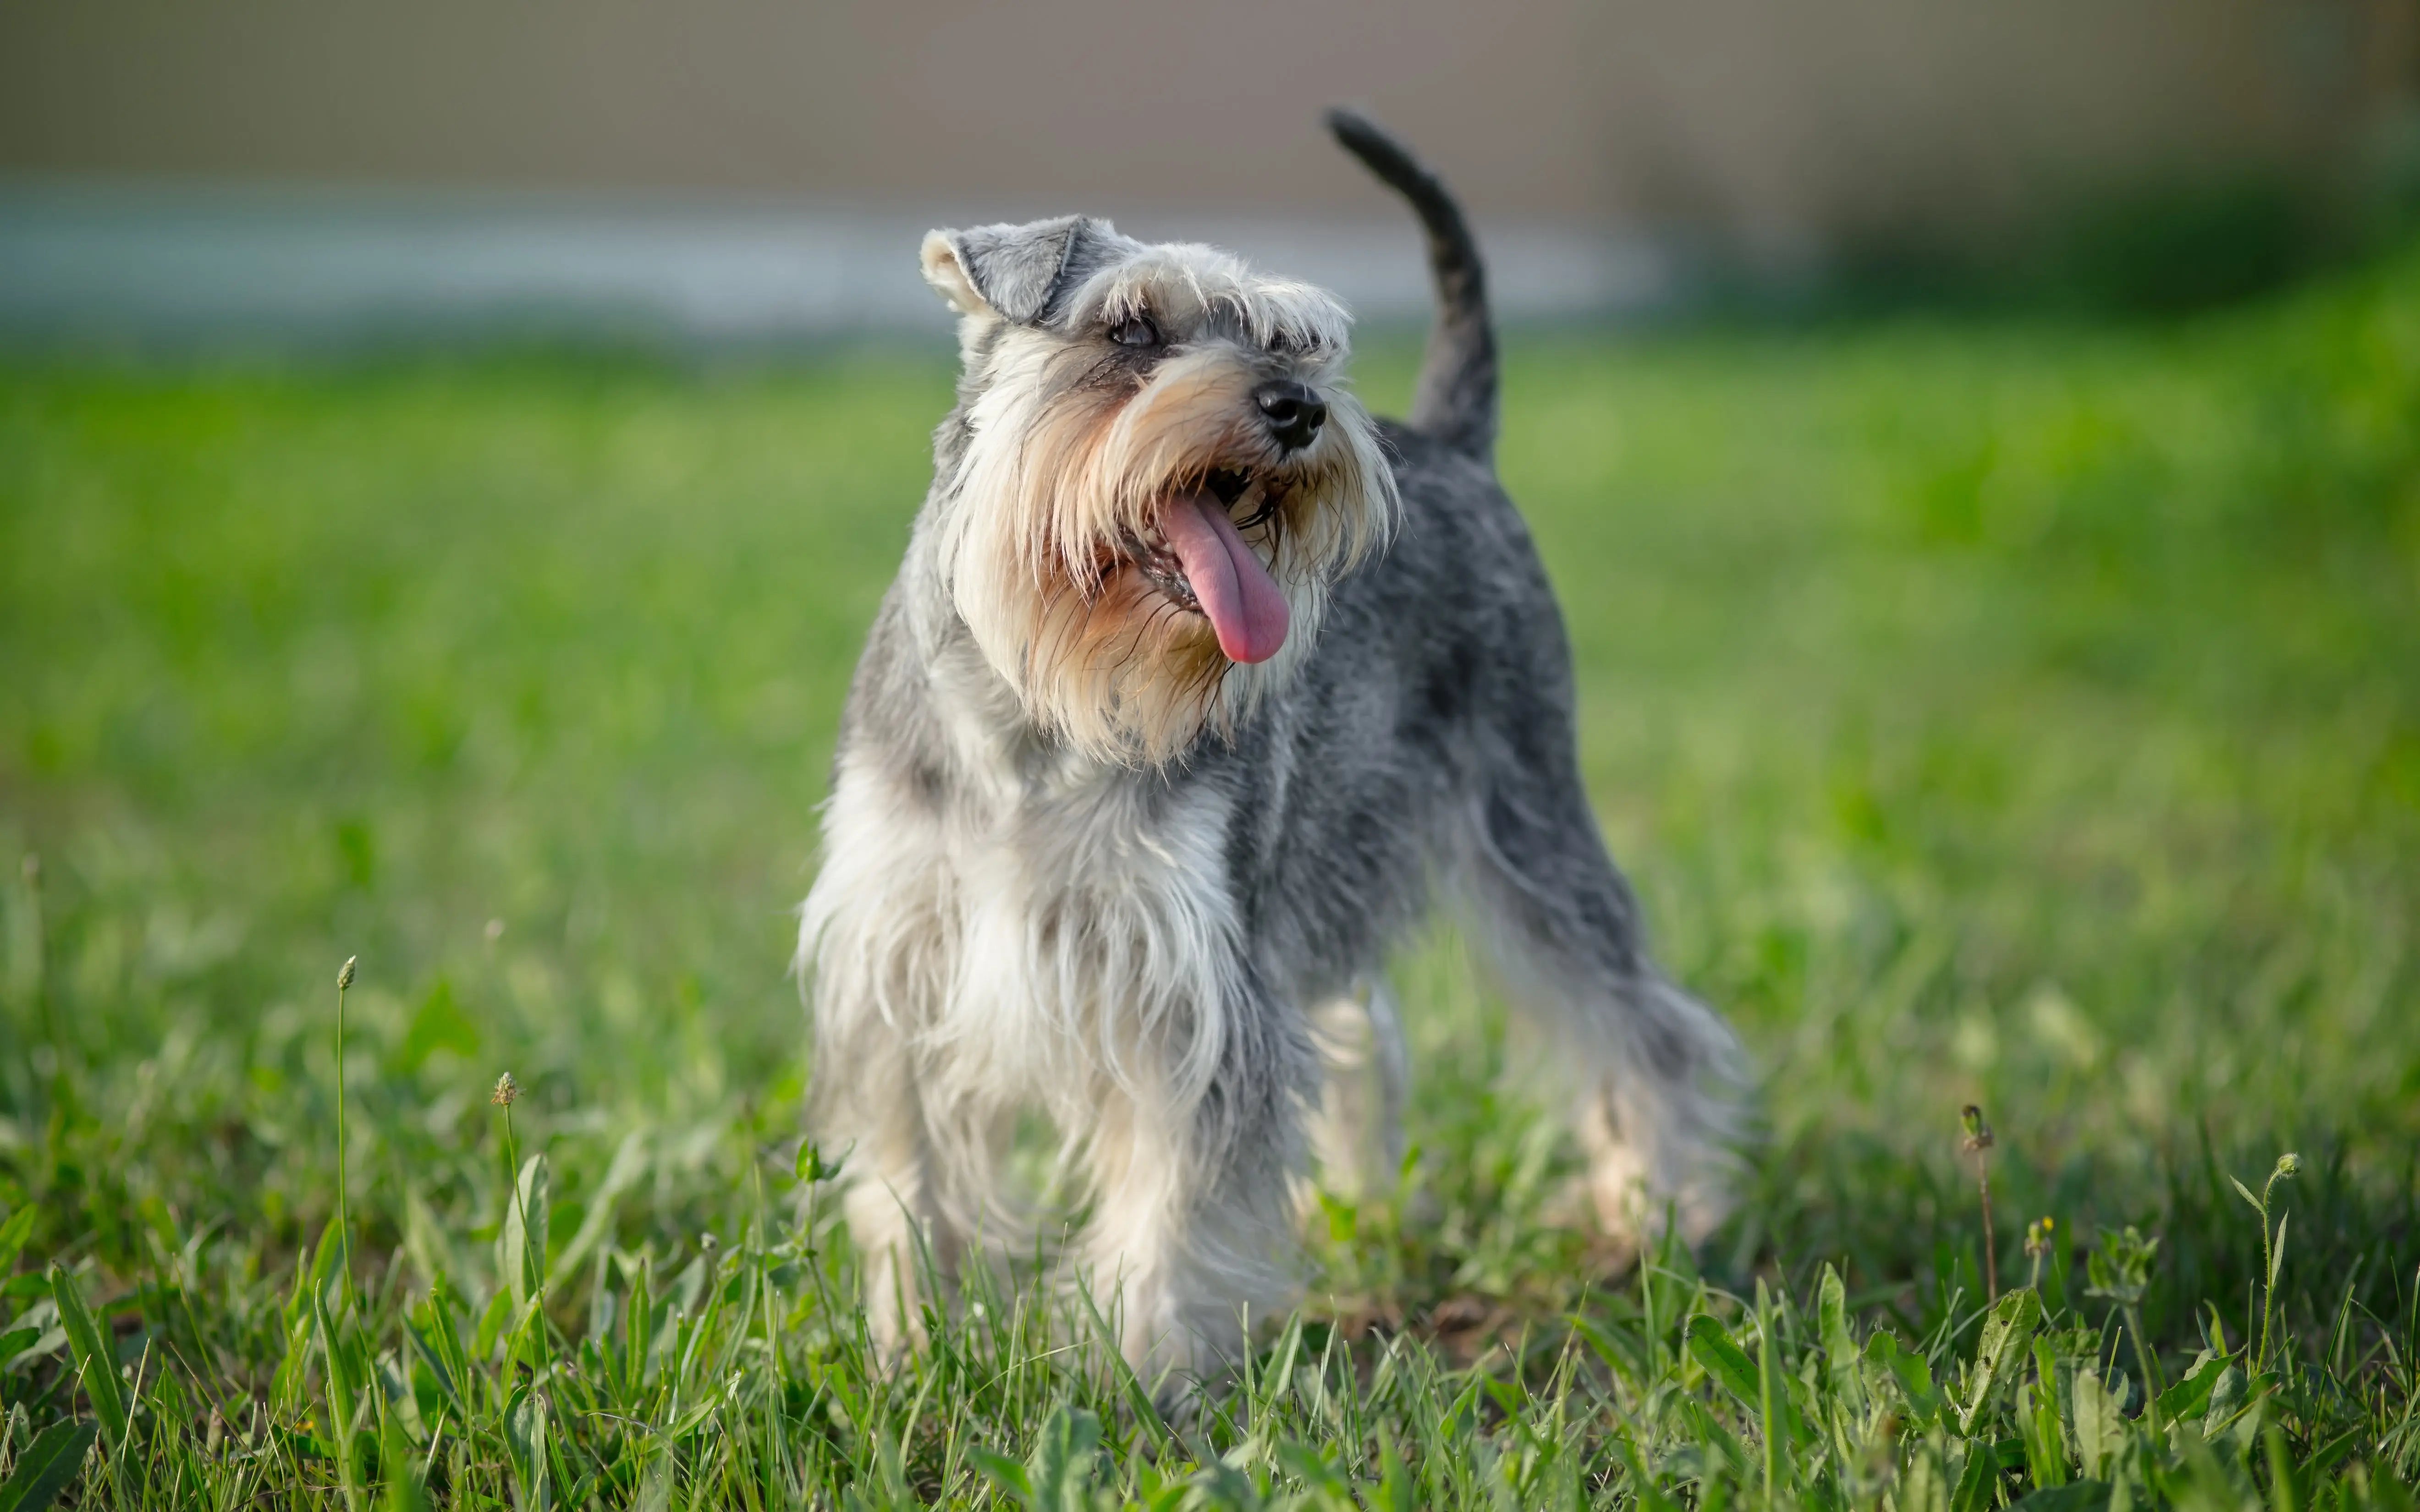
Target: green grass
[[2010, 713]]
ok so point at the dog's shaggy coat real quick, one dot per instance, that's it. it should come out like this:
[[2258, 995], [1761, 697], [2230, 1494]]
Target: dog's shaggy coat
[[1094, 850]]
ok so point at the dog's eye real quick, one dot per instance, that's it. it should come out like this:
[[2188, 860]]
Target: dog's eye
[[1135, 331]]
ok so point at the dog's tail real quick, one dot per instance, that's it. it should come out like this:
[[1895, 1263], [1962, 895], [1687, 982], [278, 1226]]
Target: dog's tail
[[1455, 401]]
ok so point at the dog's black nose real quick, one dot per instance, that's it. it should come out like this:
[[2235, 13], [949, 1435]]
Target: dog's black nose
[[1294, 414]]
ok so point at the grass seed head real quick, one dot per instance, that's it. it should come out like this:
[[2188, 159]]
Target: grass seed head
[[508, 1091], [345, 972]]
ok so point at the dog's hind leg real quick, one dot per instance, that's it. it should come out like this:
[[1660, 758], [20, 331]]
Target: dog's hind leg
[[1655, 1067]]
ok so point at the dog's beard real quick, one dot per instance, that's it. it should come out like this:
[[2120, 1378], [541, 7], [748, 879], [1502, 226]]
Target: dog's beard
[[1055, 554]]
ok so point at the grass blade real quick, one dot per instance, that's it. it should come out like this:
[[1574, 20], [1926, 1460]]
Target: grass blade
[[344, 1383], [95, 1356], [404, 1490], [1840, 1345], [1772, 1394], [520, 1255]]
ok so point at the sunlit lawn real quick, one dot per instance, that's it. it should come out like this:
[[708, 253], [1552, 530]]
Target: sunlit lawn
[[2009, 714]]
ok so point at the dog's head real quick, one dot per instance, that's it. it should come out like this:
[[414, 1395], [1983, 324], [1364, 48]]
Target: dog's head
[[1153, 475]]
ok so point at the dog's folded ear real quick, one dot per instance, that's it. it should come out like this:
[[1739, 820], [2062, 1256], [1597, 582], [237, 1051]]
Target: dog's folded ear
[[1014, 271]]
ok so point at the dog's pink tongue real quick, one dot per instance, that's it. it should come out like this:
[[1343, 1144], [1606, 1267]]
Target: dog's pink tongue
[[1242, 601]]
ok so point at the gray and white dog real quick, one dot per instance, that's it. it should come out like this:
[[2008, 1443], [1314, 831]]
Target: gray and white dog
[[1195, 684]]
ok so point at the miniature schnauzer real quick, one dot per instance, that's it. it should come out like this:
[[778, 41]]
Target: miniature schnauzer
[[1194, 685]]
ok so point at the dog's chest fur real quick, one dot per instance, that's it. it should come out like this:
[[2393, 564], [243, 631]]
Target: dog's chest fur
[[1046, 923]]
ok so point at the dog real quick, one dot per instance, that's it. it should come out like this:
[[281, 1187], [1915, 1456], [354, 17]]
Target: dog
[[1197, 687]]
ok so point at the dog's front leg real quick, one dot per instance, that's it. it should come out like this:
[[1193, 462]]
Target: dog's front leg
[[876, 948], [1190, 1239], [903, 1240]]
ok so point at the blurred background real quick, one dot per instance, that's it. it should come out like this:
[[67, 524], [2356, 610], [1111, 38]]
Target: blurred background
[[750, 168]]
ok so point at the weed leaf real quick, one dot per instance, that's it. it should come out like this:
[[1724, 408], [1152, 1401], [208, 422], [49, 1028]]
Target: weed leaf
[[401, 1404], [492, 1324], [2230, 1397], [13, 1234], [2189, 1398], [812, 1165], [1908, 1373], [1920, 1489], [1725, 1361], [2100, 1429], [1005, 1473], [2039, 1421], [2005, 1334], [525, 1446], [1060, 1474], [1975, 1484], [17, 1340], [47, 1465], [1317, 1475]]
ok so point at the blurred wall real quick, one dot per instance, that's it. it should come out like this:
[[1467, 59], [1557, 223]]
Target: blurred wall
[[1777, 126]]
